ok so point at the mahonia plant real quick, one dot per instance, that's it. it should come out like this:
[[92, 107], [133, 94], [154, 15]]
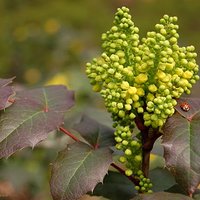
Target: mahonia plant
[[141, 79]]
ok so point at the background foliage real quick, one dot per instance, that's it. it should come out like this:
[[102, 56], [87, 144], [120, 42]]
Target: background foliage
[[49, 42]]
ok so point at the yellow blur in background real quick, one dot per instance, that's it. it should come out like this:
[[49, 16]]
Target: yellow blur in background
[[58, 79]]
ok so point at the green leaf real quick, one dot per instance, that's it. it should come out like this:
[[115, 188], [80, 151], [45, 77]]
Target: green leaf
[[6, 92], [181, 141], [115, 186], [163, 196], [78, 169], [176, 189], [34, 114], [197, 196], [161, 179], [157, 148], [95, 133]]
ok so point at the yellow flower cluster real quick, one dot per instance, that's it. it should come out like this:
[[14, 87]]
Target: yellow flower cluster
[[141, 78], [144, 76]]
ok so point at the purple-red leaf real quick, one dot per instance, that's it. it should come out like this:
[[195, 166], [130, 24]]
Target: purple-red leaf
[[4, 82], [181, 142], [34, 114], [194, 107], [6, 92], [78, 169], [96, 134]]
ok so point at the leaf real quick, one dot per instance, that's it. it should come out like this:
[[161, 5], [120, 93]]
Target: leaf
[[87, 197], [34, 114], [181, 141], [164, 181], [163, 196], [115, 186], [156, 161], [157, 148], [197, 196], [5, 93], [5, 82], [95, 133], [194, 104], [78, 169], [176, 189]]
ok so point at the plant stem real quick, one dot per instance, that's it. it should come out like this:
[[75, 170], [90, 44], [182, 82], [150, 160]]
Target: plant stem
[[69, 134], [96, 146], [149, 136], [145, 154], [131, 178], [148, 140]]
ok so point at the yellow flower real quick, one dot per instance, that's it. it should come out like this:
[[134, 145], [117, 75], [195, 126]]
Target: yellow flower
[[141, 78]]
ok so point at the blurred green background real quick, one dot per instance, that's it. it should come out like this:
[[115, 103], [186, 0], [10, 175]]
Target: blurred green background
[[49, 42]]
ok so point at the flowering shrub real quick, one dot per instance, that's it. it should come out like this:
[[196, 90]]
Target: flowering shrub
[[141, 82]]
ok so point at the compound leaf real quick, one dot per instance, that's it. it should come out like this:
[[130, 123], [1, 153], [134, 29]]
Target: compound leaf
[[78, 169], [34, 114], [181, 141]]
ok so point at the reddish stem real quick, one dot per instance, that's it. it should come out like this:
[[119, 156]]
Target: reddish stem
[[134, 180], [149, 136], [96, 146], [118, 168], [69, 134]]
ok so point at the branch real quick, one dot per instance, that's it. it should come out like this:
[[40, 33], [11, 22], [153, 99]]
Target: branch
[[140, 123], [131, 178], [149, 136], [96, 146], [148, 140], [69, 134]]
